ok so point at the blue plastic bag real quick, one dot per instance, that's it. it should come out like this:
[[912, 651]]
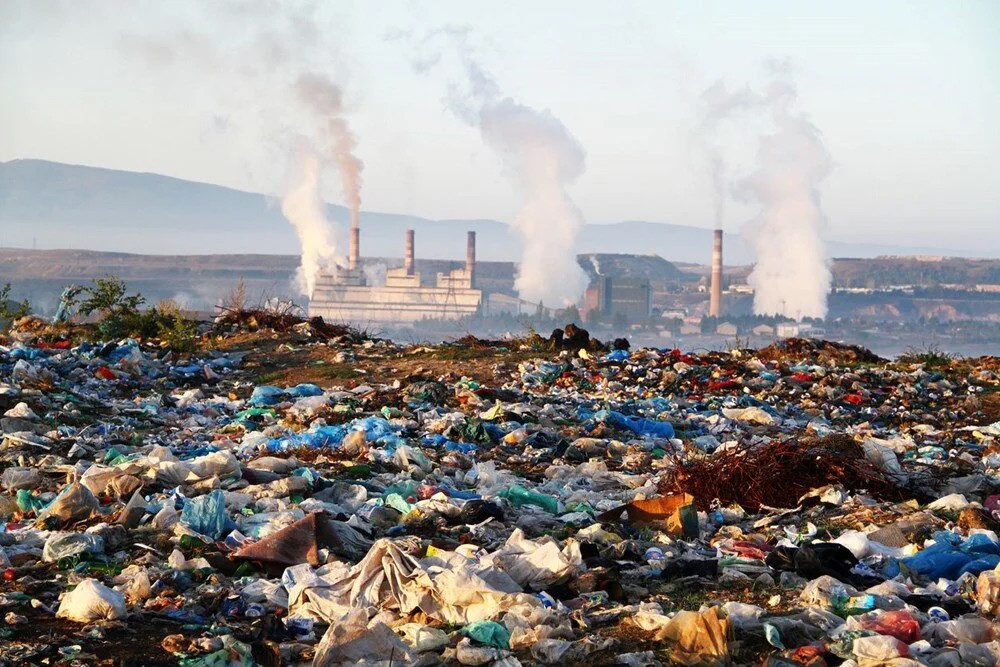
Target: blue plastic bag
[[950, 556], [207, 515], [617, 355], [638, 425], [266, 395], [303, 390]]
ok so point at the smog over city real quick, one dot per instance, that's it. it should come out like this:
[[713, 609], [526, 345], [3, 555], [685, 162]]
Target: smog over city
[[290, 290]]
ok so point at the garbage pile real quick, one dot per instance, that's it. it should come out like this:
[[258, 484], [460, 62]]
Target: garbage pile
[[804, 504]]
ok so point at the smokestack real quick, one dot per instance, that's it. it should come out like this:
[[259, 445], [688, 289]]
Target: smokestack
[[352, 261], [408, 259], [715, 299], [470, 257]]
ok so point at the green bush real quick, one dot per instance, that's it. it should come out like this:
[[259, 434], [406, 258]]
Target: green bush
[[118, 310], [11, 310], [178, 332], [120, 315]]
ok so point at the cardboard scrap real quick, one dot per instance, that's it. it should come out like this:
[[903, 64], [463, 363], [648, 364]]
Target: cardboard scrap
[[675, 513]]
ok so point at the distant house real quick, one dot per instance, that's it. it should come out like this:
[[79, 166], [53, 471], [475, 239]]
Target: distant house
[[688, 329], [763, 330], [726, 329], [787, 329]]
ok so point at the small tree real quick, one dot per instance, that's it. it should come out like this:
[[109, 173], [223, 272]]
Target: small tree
[[109, 297], [236, 301], [11, 310], [118, 310]]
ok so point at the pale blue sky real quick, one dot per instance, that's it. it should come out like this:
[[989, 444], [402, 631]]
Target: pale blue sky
[[906, 94]]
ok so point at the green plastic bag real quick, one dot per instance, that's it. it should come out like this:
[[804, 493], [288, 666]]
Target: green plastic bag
[[490, 633], [520, 496]]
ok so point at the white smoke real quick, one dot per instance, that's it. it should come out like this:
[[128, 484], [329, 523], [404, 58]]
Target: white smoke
[[326, 100], [375, 274], [543, 158], [303, 206], [791, 276], [272, 78]]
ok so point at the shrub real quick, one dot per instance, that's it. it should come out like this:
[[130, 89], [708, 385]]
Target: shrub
[[118, 310], [11, 310]]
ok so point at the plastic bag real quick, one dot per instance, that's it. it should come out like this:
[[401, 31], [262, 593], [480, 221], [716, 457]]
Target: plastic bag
[[20, 478], [27, 502], [638, 425], [266, 395], [133, 511], [92, 601], [70, 544], [520, 496], [8, 506], [221, 464], [74, 503], [898, 624], [421, 637], [988, 593], [207, 515], [489, 633]]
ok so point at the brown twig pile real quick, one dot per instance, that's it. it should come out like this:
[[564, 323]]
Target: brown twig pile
[[779, 473], [823, 351], [281, 320]]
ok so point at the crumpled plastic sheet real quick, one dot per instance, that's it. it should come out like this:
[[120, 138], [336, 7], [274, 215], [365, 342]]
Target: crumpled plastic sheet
[[452, 591]]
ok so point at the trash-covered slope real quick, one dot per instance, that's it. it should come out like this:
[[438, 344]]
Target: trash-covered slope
[[532, 501]]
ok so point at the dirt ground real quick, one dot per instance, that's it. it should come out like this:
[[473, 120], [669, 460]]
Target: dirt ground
[[287, 360]]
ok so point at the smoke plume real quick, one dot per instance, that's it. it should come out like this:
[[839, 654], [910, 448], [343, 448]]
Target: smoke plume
[[791, 276], [272, 77], [303, 206], [542, 158], [326, 101]]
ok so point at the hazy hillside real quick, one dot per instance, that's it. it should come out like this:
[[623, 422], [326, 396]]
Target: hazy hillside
[[648, 267], [66, 206]]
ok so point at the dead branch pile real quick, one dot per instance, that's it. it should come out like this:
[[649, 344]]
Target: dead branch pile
[[282, 320], [777, 474]]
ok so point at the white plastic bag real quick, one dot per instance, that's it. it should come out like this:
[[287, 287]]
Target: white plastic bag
[[92, 601]]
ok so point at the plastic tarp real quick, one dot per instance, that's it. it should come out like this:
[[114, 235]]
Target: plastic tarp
[[537, 564], [301, 542], [351, 642], [451, 589]]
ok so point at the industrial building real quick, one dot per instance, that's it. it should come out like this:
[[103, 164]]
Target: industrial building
[[345, 296], [629, 298]]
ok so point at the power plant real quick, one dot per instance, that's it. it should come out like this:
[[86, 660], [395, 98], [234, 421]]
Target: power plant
[[345, 295]]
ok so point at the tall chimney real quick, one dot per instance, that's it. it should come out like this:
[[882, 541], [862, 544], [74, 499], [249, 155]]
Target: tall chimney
[[470, 258], [408, 259], [352, 260], [715, 298]]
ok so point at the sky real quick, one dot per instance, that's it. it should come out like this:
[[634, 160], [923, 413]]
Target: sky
[[905, 94]]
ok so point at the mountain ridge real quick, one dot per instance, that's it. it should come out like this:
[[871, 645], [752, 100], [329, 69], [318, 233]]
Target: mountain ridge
[[97, 208]]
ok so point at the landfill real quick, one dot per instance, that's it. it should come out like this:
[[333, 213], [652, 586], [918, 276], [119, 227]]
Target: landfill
[[313, 496]]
